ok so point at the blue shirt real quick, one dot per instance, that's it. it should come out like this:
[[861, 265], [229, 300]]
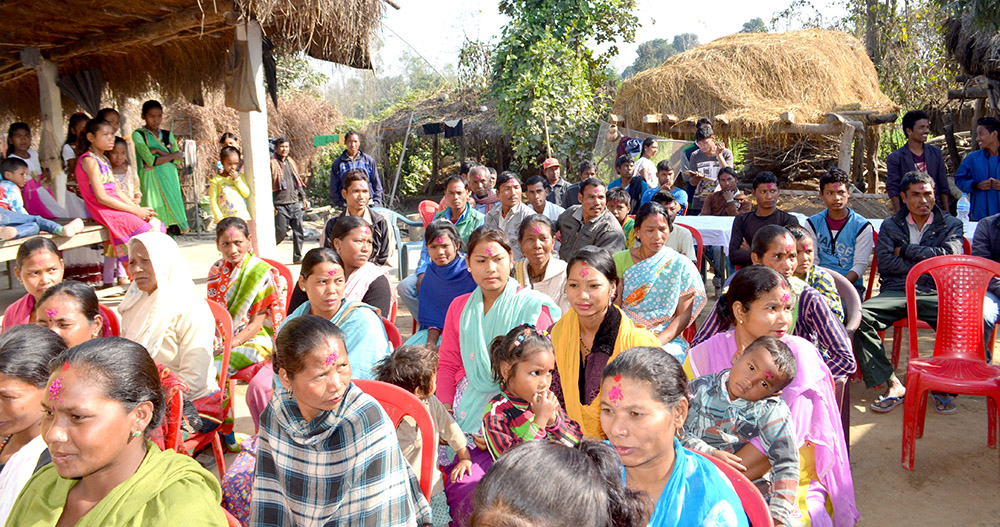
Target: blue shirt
[[680, 195]]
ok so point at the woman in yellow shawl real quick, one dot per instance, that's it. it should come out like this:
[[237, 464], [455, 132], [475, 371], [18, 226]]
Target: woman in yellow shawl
[[589, 335], [103, 471]]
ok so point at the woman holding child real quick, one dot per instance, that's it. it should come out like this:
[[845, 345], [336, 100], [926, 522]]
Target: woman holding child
[[759, 303]]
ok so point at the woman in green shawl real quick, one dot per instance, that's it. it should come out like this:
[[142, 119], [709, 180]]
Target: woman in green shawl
[[102, 396], [157, 154]]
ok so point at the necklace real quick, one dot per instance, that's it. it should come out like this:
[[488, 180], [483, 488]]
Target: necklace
[[584, 348], [4, 443], [534, 277]]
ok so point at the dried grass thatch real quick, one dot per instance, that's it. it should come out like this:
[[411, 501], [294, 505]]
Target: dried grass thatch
[[977, 51], [174, 47], [445, 105], [753, 77]]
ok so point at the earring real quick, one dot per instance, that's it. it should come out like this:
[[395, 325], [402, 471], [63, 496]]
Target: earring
[[136, 434]]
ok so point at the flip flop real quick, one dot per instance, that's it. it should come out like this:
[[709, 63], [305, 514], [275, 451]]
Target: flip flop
[[944, 404], [885, 404]]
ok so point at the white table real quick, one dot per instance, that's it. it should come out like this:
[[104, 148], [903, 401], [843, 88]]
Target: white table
[[718, 230]]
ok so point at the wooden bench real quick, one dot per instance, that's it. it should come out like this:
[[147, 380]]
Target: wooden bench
[[92, 233]]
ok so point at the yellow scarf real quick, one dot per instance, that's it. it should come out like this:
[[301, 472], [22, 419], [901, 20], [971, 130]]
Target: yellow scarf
[[566, 340]]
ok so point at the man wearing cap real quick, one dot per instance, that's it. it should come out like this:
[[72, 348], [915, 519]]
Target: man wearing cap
[[555, 185], [590, 222], [705, 164]]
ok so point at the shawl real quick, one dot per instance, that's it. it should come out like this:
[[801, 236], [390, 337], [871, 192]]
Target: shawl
[[360, 279], [19, 312], [566, 340], [342, 468], [441, 285], [515, 306], [364, 335], [16, 473], [653, 287], [248, 289], [167, 489], [697, 493], [815, 413]]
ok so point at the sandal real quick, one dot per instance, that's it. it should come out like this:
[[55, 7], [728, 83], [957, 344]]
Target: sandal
[[884, 404], [944, 404]]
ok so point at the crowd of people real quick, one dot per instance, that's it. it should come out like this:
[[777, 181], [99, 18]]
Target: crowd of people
[[555, 344]]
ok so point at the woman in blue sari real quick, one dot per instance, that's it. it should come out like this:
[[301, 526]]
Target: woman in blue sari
[[446, 278], [643, 408], [662, 290]]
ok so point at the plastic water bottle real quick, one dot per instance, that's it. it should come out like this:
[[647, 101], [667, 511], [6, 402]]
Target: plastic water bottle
[[962, 209]]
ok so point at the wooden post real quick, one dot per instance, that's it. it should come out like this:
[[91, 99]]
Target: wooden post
[[51, 106], [980, 112], [846, 139], [858, 159], [872, 150], [435, 162], [256, 156]]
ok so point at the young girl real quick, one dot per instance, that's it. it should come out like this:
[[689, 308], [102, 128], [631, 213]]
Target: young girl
[[38, 267], [228, 191], [69, 150], [227, 139], [126, 181], [525, 409], [123, 218]]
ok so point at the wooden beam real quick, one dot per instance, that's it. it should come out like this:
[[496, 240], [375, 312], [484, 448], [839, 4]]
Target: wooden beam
[[858, 158], [835, 118], [972, 92], [652, 118], [846, 139], [787, 117], [615, 118], [721, 119], [670, 119], [814, 129], [884, 118]]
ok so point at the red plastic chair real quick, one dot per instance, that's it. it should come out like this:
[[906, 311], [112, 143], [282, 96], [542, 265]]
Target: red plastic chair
[[399, 403], [111, 320], [391, 331], [196, 442], [699, 249], [753, 503], [958, 363], [285, 273], [231, 520], [428, 209]]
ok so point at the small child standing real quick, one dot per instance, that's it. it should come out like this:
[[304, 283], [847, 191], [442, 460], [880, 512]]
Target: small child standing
[[525, 409], [228, 191], [620, 203], [126, 180], [735, 406], [414, 369], [15, 222]]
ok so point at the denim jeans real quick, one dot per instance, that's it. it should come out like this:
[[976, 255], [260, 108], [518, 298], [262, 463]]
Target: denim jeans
[[27, 225]]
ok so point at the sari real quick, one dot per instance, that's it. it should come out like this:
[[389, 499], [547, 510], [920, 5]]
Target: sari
[[571, 369], [652, 289], [167, 489], [246, 290], [825, 473], [441, 285], [121, 225], [344, 467], [697, 493], [160, 184]]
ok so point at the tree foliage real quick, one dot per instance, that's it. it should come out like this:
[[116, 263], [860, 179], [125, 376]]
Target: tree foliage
[[544, 69], [984, 13], [295, 73], [755, 25], [651, 54], [685, 41]]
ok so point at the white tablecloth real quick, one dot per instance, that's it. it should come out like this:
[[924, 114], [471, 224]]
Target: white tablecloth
[[718, 230]]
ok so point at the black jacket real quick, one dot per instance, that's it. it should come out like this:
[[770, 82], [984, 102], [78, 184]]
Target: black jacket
[[986, 243], [943, 236]]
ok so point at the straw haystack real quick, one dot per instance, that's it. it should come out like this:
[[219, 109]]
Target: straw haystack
[[752, 78], [977, 50]]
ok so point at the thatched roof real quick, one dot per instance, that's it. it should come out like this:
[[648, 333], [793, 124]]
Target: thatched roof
[[752, 78], [445, 105], [171, 46], [977, 50]]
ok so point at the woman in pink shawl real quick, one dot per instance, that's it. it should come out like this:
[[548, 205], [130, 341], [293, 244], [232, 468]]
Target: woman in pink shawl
[[759, 303], [38, 266]]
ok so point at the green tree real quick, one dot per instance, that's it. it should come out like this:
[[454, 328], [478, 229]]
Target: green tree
[[985, 13], [755, 25], [650, 54], [685, 41], [295, 73], [545, 71]]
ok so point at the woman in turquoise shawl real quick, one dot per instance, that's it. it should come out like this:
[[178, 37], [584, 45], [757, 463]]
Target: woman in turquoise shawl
[[157, 154], [663, 291], [105, 458]]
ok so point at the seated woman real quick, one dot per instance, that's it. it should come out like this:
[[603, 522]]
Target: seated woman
[[71, 310], [662, 290], [366, 282], [685, 488], [322, 277], [38, 266], [774, 247], [592, 333], [327, 453], [446, 277], [247, 286], [540, 269], [103, 471], [163, 312], [25, 352], [356, 195], [759, 303], [592, 493]]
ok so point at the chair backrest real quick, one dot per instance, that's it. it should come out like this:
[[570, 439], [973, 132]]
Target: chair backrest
[[753, 503], [224, 323], [231, 520], [873, 270], [966, 246], [961, 286], [285, 273], [397, 217], [111, 320], [850, 299], [399, 403], [391, 331], [699, 243], [172, 421], [427, 209]]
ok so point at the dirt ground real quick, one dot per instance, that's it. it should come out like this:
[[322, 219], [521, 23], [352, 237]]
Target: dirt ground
[[956, 480]]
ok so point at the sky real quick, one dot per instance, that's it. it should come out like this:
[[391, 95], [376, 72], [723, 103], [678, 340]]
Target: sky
[[436, 28]]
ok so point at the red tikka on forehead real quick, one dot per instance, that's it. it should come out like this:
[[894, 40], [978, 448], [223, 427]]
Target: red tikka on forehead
[[536, 230], [583, 269], [332, 357], [768, 375], [439, 240], [615, 392], [233, 232], [331, 273], [52, 313], [54, 389], [489, 251]]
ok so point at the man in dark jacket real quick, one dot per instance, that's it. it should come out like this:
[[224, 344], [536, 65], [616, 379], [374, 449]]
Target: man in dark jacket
[[919, 156], [918, 231], [986, 244], [353, 159]]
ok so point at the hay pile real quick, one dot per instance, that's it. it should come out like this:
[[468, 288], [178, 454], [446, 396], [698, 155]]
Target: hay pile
[[753, 77], [976, 50], [793, 158]]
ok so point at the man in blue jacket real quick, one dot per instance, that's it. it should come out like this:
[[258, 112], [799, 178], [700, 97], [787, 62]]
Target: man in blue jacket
[[843, 237], [979, 174], [353, 158]]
